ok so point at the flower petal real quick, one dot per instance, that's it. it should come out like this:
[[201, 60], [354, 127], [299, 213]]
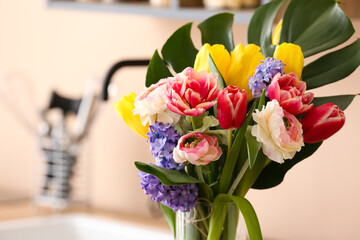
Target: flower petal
[[292, 56], [125, 108], [218, 53], [276, 34], [243, 64]]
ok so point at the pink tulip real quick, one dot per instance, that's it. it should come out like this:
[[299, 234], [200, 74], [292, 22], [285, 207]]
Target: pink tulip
[[322, 122], [289, 91], [197, 148], [231, 107], [192, 93]]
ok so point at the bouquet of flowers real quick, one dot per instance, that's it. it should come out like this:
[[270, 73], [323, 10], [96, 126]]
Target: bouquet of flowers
[[235, 117]]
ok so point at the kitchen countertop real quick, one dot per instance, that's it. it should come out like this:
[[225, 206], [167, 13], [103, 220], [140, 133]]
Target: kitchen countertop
[[20, 209]]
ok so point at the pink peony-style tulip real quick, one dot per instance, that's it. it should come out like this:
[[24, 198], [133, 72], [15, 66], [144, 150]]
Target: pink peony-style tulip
[[322, 122], [231, 107], [197, 148], [192, 93], [289, 91], [279, 132]]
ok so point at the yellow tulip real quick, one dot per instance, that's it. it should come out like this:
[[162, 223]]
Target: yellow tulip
[[125, 108], [219, 54], [292, 56], [244, 61], [276, 34]]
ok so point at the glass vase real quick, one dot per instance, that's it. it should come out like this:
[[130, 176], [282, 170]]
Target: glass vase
[[194, 225]]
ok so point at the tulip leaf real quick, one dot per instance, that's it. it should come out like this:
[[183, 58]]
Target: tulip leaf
[[315, 25], [167, 176], [170, 216], [259, 31], [218, 30], [343, 101], [217, 219], [225, 179], [273, 174], [214, 69], [333, 66], [253, 146], [157, 70], [252, 174], [262, 100], [220, 209], [179, 51]]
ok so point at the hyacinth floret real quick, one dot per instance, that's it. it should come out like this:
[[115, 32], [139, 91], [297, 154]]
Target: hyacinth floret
[[175, 197], [163, 139], [264, 73]]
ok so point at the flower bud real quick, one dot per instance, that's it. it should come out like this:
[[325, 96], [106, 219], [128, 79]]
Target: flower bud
[[231, 107], [322, 122]]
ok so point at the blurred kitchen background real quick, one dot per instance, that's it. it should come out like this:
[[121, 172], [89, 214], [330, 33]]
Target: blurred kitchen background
[[64, 45]]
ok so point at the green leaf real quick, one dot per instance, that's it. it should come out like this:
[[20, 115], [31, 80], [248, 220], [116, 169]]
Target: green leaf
[[205, 191], [170, 218], [333, 66], [230, 162], [217, 219], [253, 146], [251, 175], [220, 205], [179, 51], [315, 25], [157, 70], [259, 31], [207, 122], [218, 30], [249, 214], [262, 100], [167, 176], [343, 101], [274, 173], [214, 69]]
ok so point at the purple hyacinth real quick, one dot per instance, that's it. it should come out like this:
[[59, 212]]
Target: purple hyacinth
[[264, 73], [175, 197], [163, 139]]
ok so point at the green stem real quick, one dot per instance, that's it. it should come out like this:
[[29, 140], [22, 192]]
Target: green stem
[[202, 216], [193, 123], [231, 222], [229, 142], [200, 174], [251, 175], [238, 177]]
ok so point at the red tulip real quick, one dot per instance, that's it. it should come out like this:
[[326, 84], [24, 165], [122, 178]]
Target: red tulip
[[289, 91], [231, 107], [322, 122]]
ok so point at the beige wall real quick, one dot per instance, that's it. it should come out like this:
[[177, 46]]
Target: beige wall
[[62, 49]]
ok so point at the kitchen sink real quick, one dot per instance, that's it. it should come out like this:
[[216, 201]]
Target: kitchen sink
[[77, 227]]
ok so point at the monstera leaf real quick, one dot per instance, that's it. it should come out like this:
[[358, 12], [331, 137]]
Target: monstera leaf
[[157, 70], [179, 51], [315, 25], [259, 31], [333, 66], [218, 30]]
